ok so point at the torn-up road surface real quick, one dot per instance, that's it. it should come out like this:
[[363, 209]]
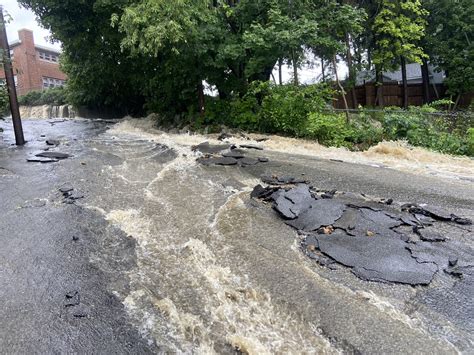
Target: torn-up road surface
[[123, 239]]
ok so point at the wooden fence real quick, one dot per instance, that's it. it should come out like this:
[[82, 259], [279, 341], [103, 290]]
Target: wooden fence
[[393, 96]]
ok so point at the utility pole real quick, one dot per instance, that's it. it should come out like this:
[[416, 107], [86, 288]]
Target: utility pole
[[10, 79]]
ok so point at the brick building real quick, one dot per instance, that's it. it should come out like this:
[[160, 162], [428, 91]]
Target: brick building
[[35, 67]]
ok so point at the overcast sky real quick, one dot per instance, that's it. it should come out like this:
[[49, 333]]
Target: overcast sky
[[22, 18]]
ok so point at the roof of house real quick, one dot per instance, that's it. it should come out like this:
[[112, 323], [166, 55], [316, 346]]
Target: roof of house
[[43, 48], [413, 74], [48, 49]]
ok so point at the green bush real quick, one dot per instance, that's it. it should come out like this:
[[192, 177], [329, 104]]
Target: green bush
[[328, 129], [305, 111], [422, 127], [53, 96], [4, 101], [269, 108]]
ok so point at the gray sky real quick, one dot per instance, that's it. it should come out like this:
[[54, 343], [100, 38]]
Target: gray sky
[[22, 18]]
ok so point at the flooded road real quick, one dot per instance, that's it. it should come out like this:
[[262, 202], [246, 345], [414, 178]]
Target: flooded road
[[158, 253]]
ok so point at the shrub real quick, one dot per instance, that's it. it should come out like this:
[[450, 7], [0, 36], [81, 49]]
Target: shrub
[[304, 111], [4, 100], [287, 109], [56, 96], [328, 129], [421, 127]]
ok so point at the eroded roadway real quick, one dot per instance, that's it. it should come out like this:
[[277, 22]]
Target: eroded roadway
[[84, 277]]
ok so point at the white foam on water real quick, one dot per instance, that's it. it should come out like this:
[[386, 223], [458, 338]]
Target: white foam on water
[[397, 155], [239, 314]]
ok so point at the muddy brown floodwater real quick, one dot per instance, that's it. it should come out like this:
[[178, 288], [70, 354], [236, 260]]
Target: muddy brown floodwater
[[188, 262]]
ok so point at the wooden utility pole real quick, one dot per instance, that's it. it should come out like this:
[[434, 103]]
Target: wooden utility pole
[[10, 79]]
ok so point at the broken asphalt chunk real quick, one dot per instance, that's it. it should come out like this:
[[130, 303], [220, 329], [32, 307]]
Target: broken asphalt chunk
[[429, 235], [248, 162], [320, 213], [263, 193], [207, 148], [42, 160], [224, 161], [236, 154], [462, 221], [290, 204], [285, 180], [52, 142], [376, 259], [53, 155], [249, 146]]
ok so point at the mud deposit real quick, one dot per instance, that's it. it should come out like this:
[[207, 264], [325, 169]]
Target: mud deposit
[[138, 242]]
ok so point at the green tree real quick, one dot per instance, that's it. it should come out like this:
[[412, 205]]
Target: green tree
[[450, 38], [398, 29], [100, 73]]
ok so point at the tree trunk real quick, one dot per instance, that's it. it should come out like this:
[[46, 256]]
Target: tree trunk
[[323, 70], [343, 93], [352, 79], [280, 72], [274, 79], [426, 82], [456, 103], [379, 101], [295, 69], [200, 89], [404, 82]]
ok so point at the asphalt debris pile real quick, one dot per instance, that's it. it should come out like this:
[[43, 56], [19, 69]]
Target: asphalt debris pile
[[227, 155], [378, 240]]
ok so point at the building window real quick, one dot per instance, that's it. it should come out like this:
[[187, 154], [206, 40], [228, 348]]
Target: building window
[[50, 57], [52, 83]]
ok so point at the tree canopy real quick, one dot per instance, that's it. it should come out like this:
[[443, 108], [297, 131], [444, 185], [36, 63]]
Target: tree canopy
[[156, 54]]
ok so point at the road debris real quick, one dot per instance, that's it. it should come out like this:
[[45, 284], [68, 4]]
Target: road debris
[[226, 155], [365, 235]]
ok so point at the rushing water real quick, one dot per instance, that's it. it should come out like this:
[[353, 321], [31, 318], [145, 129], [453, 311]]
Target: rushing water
[[185, 295], [219, 273]]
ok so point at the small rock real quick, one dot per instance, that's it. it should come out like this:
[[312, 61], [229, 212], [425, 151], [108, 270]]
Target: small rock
[[65, 189], [453, 261], [263, 160], [54, 142], [72, 299]]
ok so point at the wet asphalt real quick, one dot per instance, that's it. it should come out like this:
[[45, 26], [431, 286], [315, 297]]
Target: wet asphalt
[[59, 288]]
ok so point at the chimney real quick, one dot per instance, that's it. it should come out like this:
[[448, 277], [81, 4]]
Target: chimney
[[26, 38]]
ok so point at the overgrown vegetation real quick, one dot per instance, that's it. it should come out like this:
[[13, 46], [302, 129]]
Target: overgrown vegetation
[[53, 96], [306, 112]]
